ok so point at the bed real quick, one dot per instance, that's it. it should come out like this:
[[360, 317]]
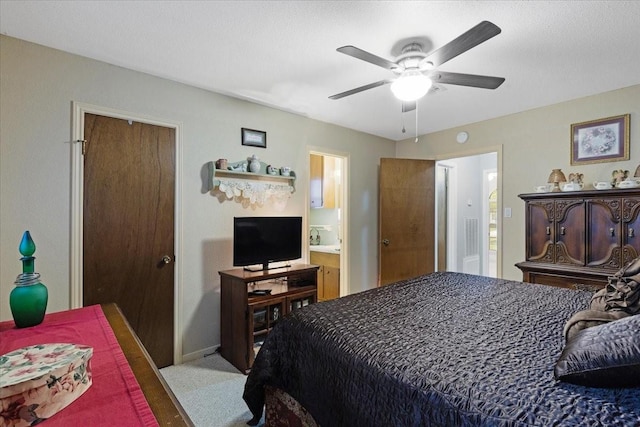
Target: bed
[[445, 349]]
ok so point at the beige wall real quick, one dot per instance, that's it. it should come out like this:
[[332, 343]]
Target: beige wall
[[533, 142], [38, 86]]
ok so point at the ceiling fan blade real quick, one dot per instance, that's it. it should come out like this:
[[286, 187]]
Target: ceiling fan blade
[[368, 57], [360, 89], [408, 106], [473, 80], [472, 38]]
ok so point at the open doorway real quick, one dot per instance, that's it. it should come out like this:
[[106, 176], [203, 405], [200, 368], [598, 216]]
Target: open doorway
[[467, 202], [327, 222]]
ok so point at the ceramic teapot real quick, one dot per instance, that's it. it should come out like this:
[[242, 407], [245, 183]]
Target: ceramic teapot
[[601, 185], [629, 183], [272, 171], [285, 170], [571, 186]]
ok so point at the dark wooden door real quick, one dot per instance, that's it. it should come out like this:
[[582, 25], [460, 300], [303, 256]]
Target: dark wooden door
[[407, 224], [128, 226], [603, 234], [540, 238], [570, 232], [630, 229]]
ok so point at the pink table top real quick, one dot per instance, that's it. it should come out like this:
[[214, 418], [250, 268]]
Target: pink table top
[[115, 397]]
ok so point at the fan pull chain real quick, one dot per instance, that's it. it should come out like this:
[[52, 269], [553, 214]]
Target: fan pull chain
[[416, 122]]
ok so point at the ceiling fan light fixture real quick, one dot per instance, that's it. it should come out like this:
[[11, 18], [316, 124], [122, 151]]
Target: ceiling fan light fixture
[[411, 85]]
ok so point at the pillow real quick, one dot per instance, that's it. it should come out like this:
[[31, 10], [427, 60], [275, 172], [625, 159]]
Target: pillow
[[632, 268], [603, 356], [599, 300], [589, 318]]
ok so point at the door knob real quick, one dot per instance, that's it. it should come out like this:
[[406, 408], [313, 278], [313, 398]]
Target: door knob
[[166, 259], [385, 242]]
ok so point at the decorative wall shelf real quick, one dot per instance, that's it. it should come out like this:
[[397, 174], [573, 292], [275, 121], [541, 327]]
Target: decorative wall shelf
[[236, 181]]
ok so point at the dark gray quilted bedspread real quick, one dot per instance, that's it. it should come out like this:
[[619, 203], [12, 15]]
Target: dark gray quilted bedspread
[[446, 349]]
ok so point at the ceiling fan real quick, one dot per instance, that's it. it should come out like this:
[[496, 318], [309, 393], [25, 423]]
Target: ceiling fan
[[417, 70]]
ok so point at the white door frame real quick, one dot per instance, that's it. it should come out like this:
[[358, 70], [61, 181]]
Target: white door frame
[[77, 194], [487, 189], [344, 211], [453, 188], [452, 214]]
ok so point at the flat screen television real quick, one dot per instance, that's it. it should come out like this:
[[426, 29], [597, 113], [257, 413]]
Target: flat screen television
[[261, 240]]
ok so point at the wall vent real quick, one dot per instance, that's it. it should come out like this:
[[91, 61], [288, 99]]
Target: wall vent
[[471, 237]]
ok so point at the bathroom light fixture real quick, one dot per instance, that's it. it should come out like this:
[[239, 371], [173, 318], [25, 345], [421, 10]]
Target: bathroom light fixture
[[411, 85]]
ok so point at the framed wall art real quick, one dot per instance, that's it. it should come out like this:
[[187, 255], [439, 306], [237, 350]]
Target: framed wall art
[[602, 140], [254, 138]]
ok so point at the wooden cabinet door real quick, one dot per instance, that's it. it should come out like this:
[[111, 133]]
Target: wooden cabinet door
[[316, 170], [630, 229], [299, 300], [328, 274], [540, 238], [604, 233], [331, 282], [329, 183], [261, 317], [570, 232], [320, 281]]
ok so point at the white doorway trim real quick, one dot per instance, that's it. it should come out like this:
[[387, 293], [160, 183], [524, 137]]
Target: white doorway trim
[[344, 211], [487, 189], [77, 194], [452, 214], [498, 149]]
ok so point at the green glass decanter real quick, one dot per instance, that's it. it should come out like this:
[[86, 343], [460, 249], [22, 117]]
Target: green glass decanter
[[28, 300]]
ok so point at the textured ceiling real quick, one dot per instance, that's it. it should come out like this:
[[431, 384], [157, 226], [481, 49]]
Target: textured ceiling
[[283, 54]]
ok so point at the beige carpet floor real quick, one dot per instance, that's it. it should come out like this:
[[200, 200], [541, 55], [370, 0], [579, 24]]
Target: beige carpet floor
[[210, 391]]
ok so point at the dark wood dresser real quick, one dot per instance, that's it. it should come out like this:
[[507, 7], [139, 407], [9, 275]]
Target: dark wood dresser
[[578, 239]]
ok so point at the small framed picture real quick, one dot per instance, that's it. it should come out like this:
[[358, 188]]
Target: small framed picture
[[254, 138], [599, 141]]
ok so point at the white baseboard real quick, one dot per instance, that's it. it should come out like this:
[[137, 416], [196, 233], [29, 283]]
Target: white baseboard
[[199, 354]]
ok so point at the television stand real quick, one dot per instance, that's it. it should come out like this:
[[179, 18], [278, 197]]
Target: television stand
[[265, 267], [247, 319]]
